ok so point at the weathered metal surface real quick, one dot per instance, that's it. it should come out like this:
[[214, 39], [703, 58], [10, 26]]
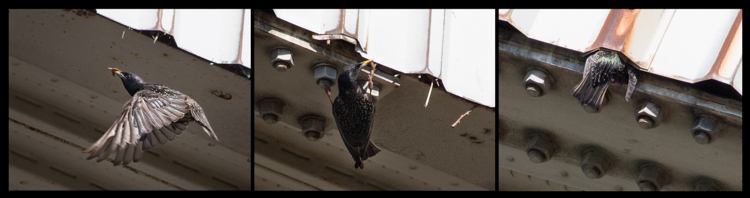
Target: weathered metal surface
[[615, 129], [219, 36], [59, 87], [666, 42], [419, 149]]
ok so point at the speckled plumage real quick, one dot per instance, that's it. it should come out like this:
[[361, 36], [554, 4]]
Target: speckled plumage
[[154, 115], [354, 110], [602, 68]]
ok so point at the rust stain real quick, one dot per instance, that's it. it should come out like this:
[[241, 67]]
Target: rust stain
[[615, 30], [726, 53]]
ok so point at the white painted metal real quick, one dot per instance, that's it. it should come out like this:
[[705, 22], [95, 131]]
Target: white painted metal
[[216, 35], [667, 42], [422, 41]]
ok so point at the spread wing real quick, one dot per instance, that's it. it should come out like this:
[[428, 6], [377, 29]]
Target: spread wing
[[148, 119], [197, 113]]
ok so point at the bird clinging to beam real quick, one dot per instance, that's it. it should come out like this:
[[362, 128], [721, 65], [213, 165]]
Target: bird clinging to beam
[[354, 112], [153, 116], [602, 67]]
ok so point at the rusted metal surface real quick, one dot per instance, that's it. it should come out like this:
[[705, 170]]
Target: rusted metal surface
[[660, 41]]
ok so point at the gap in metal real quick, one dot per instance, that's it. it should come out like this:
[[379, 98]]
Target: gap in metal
[[337, 171], [68, 118], [295, 154], [63, 172], [23, 156], [225, 182], [98, 186], [186, 166], [27, 101]]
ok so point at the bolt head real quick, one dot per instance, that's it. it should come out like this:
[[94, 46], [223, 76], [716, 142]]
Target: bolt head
[[270, 118], [701, 137], [591, 171], [647, 186], [312, 127], [537, 83], [704, 130], [648, 115], [536, 156], [282, 59], [270, 109], [645, 122], [651, 177], [280, 66], [325, 72], [533, 90], [706, 185], [313, 135]]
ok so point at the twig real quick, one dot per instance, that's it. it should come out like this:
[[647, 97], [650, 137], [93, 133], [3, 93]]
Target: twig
[[372, 64], [428, 95], [462, 116]]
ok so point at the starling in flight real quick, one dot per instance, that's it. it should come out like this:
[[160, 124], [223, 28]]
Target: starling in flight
[[153, 116], [601, 68], [354, 112]]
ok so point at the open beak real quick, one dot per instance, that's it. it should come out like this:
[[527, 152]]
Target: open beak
[[115, 71]]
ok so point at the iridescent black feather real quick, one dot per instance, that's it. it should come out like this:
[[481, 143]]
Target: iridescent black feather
[[354, 110], [602, 68]]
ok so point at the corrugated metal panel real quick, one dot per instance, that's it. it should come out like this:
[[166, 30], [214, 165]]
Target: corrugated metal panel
[[666, 42], [445, 43], [216, 35]]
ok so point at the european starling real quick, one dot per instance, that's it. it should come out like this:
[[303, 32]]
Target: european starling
[[354, 112], [603, 67], [153, 116]]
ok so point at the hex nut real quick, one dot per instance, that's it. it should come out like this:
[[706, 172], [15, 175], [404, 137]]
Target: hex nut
[[313, 127], [540, 147], [648, 115], [271, 109], [537, 83], [704, 130], [325, 74], [595, 163], [282, 59], [651, 177], [706, 185]]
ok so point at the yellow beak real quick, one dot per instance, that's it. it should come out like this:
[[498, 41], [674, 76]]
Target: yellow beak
[[114, 70], [366, 62]]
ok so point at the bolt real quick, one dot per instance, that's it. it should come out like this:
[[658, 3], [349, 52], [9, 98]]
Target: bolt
[[704, 130], [281, 59], [651, 177], [324, 74], [595, 163], [706, 185], [540, 147], [537, 83], [271, 110], [648, 115], [312, 127]]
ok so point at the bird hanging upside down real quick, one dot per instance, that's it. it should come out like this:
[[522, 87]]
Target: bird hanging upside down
[[603, 67], [153, 116], [354, 112]]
